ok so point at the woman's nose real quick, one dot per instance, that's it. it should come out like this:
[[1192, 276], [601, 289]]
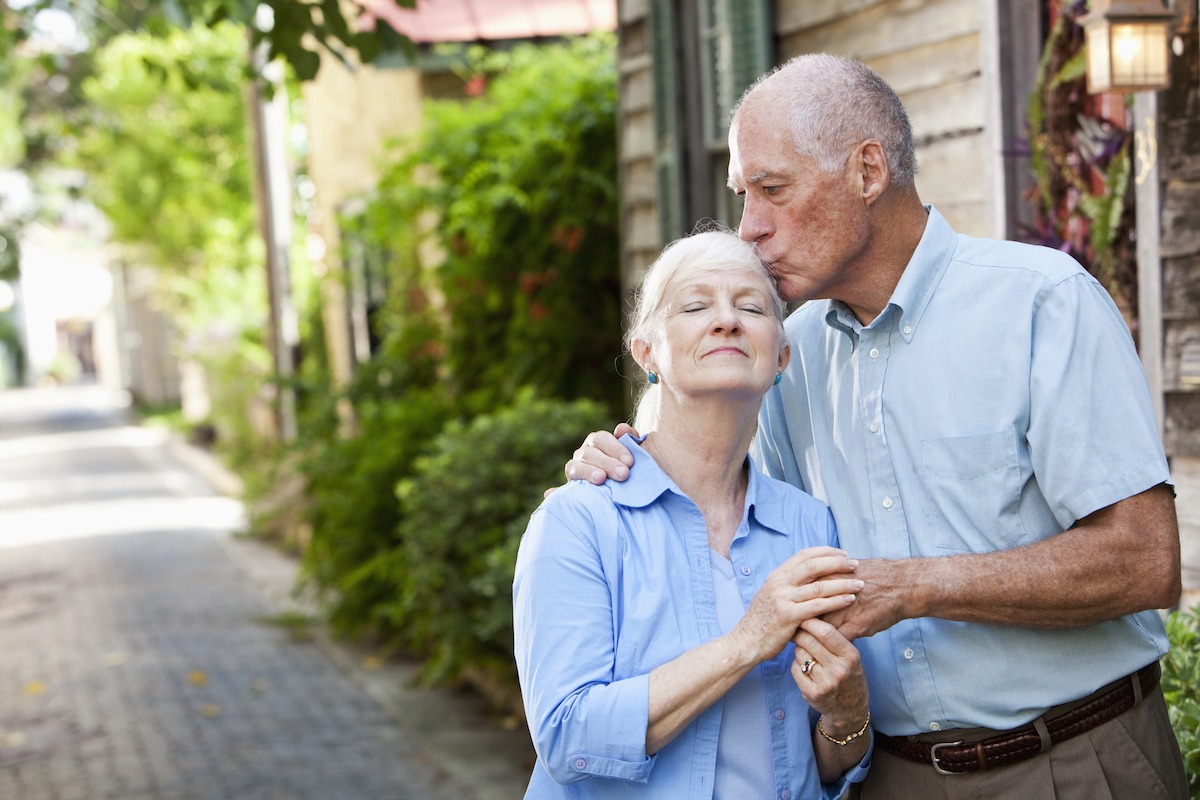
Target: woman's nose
[[726, 319]]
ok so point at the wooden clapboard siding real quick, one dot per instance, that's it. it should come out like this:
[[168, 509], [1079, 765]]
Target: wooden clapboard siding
[[929, 51], [794, 15], [880, 29], [640, 235]]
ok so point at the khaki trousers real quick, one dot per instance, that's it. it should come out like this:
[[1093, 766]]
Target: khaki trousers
[[1132, 757]]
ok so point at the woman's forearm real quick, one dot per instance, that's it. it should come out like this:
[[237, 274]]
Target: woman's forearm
[[833, 760], [683, 688]]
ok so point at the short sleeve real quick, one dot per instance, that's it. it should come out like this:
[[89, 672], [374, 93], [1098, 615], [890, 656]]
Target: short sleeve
[[1092, 434]]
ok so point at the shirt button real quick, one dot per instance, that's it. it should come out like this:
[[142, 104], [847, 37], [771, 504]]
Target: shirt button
[[874, 426], [580, 763], [908, 653], [779, 713], [874, 352], [887, 502], [907, 329], [745, 569], [786, 794], [935, 726]]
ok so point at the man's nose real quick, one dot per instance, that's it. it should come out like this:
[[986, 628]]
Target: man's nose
[[753, 225]]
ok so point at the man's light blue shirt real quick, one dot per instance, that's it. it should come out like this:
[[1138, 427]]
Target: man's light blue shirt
[[994, 402], [615, 580]]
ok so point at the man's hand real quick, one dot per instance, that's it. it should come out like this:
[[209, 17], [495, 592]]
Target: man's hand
[[601, 457], [1116, 561], [882, 602]]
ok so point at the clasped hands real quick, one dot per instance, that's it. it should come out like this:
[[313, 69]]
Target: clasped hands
[[885, 598], [788, 607]]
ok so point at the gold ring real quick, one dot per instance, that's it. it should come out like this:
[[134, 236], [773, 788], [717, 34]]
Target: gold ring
[[807, 666]]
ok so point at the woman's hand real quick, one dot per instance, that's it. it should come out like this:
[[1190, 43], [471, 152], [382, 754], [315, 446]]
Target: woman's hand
[[828, 671], [814, 581]]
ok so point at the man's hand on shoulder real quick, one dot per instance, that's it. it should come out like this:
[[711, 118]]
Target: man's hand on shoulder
[[600, 457]]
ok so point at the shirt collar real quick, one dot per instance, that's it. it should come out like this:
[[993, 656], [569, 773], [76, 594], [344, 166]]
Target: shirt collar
[[647, 482], [917, 283]]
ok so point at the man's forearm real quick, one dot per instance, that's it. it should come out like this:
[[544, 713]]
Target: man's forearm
[[1117, 561]]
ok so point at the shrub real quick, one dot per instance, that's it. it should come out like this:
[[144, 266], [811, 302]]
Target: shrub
[[525, 198], [462, 516], [1181, 688], [350, 508]]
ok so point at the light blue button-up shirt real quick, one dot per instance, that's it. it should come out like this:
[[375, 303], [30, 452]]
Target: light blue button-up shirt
[[995, 401], [615, 580]]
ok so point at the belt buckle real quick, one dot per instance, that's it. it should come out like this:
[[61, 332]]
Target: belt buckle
[[933, 751]]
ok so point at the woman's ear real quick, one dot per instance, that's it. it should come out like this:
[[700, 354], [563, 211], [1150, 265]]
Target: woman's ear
[[785, 356], [640, 350]]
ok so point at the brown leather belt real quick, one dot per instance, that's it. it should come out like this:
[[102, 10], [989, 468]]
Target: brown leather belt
[[1009, 747]]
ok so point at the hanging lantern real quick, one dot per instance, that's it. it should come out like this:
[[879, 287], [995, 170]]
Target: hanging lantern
[[1127, 45]]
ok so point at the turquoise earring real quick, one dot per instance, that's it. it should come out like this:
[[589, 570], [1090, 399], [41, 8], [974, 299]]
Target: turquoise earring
[[651, 376], [778, 377]]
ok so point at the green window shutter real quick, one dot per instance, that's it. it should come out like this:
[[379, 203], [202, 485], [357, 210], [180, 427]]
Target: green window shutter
[[736, 43], [665, 57]]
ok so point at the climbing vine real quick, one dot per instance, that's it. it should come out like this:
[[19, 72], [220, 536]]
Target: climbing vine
[[1081, 163]]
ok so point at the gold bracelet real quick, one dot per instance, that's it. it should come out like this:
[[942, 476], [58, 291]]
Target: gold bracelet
[[848, 739]]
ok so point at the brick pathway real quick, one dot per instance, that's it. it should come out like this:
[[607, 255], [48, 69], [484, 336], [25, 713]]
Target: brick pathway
[[137, 660]]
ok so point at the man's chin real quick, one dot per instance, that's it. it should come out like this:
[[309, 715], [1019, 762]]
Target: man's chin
[[794, 291]]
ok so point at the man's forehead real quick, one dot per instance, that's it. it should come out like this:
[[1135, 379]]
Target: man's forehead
[[763, 151]]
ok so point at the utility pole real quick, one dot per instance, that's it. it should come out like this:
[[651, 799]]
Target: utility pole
[[268, 112]]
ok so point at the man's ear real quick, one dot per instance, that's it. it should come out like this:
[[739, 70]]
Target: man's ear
[[873, 172]]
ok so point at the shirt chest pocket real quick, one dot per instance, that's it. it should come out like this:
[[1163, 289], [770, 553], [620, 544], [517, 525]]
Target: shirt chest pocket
[[973, 491]]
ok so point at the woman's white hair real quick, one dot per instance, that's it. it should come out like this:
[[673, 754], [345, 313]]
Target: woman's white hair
[[713, 250], [835, 104]]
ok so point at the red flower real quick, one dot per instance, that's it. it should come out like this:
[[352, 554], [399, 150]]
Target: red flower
[[476, 86]]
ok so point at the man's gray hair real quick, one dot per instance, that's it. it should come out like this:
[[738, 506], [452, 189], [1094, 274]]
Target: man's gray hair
[[837, 103]]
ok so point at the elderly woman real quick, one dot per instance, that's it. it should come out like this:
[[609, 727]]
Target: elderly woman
[[667, 631]]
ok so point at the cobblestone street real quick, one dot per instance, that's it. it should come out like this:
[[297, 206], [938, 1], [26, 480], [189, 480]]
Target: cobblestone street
[[145, 653]]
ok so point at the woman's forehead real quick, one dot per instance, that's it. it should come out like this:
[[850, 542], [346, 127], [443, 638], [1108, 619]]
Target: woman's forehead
[[734, 275]]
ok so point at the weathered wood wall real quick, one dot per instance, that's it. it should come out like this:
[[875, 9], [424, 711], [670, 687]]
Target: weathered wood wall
[[641, 237], [1175, 141], [931, 51], [1178, 144]]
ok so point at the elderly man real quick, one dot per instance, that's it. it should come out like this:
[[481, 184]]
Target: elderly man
[[974, 413]]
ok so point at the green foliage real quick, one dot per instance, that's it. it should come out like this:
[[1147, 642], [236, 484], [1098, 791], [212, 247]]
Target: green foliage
[[1081, 164], [296, 25], [414, 537], [463, 512], [10, 254], [167, 163], [350, 507], [1181, 688], [523, 190]]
